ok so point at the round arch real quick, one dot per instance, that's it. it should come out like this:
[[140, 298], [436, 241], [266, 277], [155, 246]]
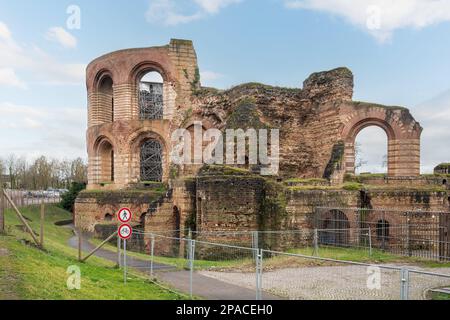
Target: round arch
[[136, 143], [334, 228], [145, 67], [351, 132], [104, 164]]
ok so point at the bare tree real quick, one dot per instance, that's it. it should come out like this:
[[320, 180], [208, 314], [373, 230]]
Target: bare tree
[[359, 161], [79, 171], [43, 173]]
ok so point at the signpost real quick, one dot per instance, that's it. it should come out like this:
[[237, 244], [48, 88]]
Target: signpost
[[124, 215], [125, 232]]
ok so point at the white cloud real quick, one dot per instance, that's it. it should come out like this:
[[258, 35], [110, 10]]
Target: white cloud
[[4, 31], [8, 77], [210, 75], [57, 132], [169, 13], [434, 116], [381, 18], [61, 36], [214, 6], [35, 63]]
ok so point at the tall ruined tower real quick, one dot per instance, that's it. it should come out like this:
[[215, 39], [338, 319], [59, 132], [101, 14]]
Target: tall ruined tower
[[135, 99]]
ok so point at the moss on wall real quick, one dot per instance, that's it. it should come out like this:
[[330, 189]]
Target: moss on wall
[[245, 116], [123, 196]]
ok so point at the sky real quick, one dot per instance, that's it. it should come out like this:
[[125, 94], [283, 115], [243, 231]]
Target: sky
[[398, 51]]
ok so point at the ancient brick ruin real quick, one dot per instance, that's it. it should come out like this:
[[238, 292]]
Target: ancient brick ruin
[[129, 146]]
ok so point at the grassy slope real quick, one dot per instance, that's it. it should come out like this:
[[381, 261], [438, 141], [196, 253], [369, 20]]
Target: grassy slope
[[29, 273]]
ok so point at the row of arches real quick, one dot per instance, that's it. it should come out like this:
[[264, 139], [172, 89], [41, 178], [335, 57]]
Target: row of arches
[[335, 229], [150, 96]]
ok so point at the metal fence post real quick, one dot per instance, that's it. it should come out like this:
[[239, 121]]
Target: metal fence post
[[119, 254], [404, 284], [191, 265], [316, 242], [152, 252], [259, 270], [124, 261], [370, 242], [80, 239], [255, 243]]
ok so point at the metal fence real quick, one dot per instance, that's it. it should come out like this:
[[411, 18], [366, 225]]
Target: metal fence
[[225, 271], [23, 198], [424, 234]]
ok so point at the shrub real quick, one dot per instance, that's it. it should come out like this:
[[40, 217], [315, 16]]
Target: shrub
[[68, 198]]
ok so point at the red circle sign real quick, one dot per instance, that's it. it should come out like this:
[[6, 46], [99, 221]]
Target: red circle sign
[[125, 231], [124, 215]]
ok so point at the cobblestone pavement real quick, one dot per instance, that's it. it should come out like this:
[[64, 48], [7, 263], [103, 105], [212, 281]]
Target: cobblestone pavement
[[337, 282]]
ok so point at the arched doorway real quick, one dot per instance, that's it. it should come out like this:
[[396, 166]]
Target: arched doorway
[[371, 151], [374, 133], [151, 96], [334, 228], [383, 230], [151, 161]]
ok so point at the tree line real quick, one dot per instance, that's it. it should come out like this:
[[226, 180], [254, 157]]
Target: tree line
[[41, 173]]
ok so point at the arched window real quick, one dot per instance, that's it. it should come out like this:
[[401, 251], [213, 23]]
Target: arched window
[[106, 157], [151, 102], [382, 230], [334, 228], [151, 161], [371, 151], [106, 99]]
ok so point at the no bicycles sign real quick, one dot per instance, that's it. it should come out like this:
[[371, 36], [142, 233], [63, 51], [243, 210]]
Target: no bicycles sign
[[125, 231], [124, 215]]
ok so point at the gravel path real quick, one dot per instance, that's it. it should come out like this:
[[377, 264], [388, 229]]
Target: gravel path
[[336, 282]]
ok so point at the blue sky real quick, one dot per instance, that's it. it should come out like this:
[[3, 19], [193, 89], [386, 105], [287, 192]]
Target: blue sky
[[399, 54]]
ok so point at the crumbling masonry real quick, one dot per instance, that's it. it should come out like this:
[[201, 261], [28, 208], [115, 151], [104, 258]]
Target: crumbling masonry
[[130, 122]]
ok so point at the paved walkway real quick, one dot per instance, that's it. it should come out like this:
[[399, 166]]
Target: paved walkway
[[338, 282], [203, 286]]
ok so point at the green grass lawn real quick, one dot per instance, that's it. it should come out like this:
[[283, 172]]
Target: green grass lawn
[[440, 296], [30, 273]]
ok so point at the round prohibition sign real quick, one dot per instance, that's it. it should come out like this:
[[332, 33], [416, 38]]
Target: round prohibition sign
[[125, 231], [124, 215]]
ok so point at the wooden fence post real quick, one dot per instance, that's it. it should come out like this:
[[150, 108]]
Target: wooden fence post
[[2, 212], [41, 234], [24, 222]]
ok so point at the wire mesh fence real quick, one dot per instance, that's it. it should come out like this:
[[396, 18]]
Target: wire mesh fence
[[23, 198], [299, 277], [424, 285], [221, 270], [423, 234]]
